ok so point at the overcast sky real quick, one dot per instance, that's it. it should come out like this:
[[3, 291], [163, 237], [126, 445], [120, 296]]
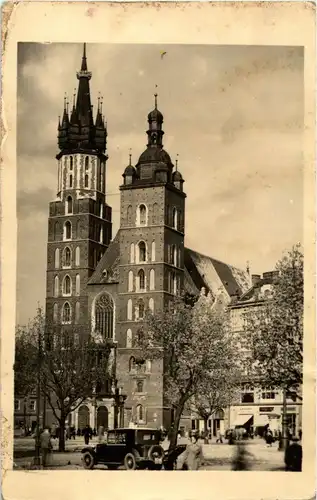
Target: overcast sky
[[233, 114]]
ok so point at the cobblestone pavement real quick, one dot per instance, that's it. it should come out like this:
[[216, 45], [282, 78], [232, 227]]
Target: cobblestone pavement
[[216, 456]]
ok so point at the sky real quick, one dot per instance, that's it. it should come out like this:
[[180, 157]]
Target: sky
[[233, 114]]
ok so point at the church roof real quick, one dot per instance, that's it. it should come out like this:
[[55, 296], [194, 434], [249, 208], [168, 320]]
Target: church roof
[[201, 271]]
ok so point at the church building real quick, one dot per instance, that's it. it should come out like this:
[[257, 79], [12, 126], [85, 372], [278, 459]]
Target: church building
[[103, 285]]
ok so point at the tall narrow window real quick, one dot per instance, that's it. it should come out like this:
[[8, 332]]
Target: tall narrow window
[[141, 309], [86, 163], [77, 312], [66, 313], [57, 258], [179, 257], [67, 257], [86, 181], [129, 215], [174, 255], [130, 281], [67, 230], [71, 163], [77, 284], [148, 365], [152, 279], [101, 210], [104, 315], [67, 285], [55, 313], [69, 205], [139, 413], [70, 180], [151, 305], [78, 233], [174, 284], [129, 338], [139, 386], [143, 215], [129, 310], [56, 286], [77, 256], [141, 280], [132, 253], [131, 363], [153, 251], [175, 218], [100, 235], [142, 251]]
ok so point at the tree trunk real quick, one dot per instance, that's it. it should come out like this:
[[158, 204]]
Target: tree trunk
[[174, 429], [24, 417], [61, 440], [206, 441]]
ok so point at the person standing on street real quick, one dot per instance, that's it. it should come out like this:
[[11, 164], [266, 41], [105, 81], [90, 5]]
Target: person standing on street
[[192, 455], [219, 437], [46, 446], [87, 434]]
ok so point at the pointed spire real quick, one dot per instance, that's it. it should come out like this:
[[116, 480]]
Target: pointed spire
[[84, 60]]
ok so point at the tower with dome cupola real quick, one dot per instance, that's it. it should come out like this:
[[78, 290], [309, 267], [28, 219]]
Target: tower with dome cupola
[[79, 224], [152, 218]]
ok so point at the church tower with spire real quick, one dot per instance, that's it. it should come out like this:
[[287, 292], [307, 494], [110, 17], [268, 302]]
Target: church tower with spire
[[79, 224], [152, 216]]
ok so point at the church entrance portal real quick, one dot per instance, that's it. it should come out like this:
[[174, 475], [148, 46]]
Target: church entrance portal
[[83, 416], [102, 417]]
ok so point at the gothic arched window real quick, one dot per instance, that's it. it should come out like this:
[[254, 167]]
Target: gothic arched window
[[77, 312], [77, 256], [151, 305], [104, 315], [71, 163], [142, 210], [152, 279], [70, 181], [69, 205], [131, 363], [86, 162], [139, 413], [77, 284], [153, 251], [130, 281], [129, 215], [141, 280], [66, 313], [175, 218], [142, 251], [129, 310], [55, 313], [57, 258], [67, 230], [86, 181], [141, 309], [132, 253], [67, 286], [67, 257], [129, 338], [56, 286], [174, 255]]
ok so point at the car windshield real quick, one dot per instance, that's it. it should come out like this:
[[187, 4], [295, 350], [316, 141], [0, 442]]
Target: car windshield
[[147, 437]]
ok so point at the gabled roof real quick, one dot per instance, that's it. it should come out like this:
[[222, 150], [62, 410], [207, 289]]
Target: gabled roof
[[109, 263], [200, 272]]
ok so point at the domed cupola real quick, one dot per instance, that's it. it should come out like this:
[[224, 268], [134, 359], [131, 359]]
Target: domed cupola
[[129, 174], [177, 178]]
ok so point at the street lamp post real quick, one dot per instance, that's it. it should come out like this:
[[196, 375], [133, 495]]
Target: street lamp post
[[37, 458], [284, 438]]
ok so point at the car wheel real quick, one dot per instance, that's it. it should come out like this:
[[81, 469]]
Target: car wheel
[[88, 460], [130, 461]]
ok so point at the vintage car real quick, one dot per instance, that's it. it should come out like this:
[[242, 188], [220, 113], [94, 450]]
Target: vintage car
[[132, 448]]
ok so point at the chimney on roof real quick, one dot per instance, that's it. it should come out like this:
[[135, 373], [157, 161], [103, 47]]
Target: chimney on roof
[[255, 279]]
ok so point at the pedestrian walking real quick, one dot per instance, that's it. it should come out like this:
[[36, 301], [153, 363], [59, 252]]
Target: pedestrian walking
[[240, 461], [86, 434], [219, 437], [293, 456], [192, 455], [46, 446], [269, 437]]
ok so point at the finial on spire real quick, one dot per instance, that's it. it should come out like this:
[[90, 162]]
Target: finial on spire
[[84, 60], [74, 98], [65, 101], [155, 97], [248, 267], [176, 162], [101, 101], [130, 157], [67, 104]]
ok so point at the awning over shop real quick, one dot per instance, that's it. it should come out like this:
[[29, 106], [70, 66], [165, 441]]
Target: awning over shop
[[261, 420], [241, 420]]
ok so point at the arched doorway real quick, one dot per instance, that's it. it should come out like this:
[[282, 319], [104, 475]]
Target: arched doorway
[[102, 417], [83, 416]]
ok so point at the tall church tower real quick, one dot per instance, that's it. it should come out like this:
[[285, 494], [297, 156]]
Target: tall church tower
[[79, 224], [151, 264]]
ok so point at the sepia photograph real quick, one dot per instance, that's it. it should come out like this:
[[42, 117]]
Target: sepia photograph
[[160, 260]]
